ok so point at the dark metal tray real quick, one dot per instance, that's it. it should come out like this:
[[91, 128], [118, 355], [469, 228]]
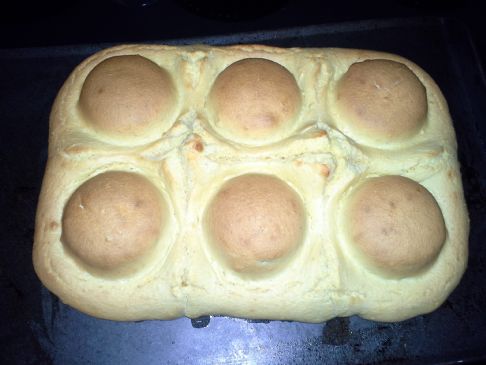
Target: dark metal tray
[[35, 327]]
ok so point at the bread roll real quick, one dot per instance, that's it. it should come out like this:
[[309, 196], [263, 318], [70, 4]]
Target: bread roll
[[381, 100], [127, 96], [250, 181], [395, 224], [112, 220], [254, 100], [255, 220]]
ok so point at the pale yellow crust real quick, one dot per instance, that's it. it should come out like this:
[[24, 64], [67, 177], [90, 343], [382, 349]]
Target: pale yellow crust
[[316, 161]]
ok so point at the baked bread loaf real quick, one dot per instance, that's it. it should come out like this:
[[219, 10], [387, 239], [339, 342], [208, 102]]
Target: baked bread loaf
[[250, 181]]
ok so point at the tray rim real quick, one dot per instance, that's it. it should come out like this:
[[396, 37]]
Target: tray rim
[[246, 37]]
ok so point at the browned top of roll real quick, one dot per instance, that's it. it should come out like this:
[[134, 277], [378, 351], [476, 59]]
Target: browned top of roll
[[255, 97], [381, 100], [127, 96], [113, 219], [396, 223], [255, 218]]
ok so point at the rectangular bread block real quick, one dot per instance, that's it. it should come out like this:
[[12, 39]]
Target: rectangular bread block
[[250, 181]]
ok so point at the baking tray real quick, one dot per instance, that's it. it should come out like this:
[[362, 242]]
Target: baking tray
[[35, 327]]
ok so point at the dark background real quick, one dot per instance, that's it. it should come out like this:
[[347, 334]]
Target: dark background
[[61, 22]]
